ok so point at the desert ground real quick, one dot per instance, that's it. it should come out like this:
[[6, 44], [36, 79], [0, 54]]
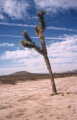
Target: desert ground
[[33, 100]]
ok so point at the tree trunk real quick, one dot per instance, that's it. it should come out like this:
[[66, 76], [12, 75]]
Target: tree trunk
[[43, 45], [54, 91]]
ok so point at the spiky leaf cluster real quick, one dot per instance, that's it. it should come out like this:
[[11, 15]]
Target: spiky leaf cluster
[[39, 30], [27, 44], [41, 19], [28, 41], [27, 37]]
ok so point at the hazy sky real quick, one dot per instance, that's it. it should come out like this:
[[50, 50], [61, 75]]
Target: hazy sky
[[61, 35]]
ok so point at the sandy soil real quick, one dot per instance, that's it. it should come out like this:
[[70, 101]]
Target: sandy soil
[[32, 100]]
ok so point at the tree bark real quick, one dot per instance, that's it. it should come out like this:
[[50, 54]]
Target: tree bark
[[54, 91], [45, 55]]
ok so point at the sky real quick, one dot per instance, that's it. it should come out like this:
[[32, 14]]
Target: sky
[[17, 16]]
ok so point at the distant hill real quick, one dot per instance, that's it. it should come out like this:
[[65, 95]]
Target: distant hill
[[24, 76], [21, 73], [73, 71], [25, 73]]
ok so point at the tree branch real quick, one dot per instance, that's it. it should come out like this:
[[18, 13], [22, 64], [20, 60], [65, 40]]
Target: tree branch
[[38, 49], [30, 44]]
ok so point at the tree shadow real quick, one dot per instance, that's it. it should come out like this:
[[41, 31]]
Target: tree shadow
[[64, 93]]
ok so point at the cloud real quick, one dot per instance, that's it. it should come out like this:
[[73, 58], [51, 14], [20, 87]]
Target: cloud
[[64, 54], [63, 57], [55, 5], [34, 37], [65, 49], [17, 25], [14, 8], [33, 26], [61, 28], [18, 9], [1, 16], [18, 54], [7, 44]]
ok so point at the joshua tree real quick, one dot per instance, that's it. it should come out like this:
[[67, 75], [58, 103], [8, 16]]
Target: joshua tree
[[40, 28]]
